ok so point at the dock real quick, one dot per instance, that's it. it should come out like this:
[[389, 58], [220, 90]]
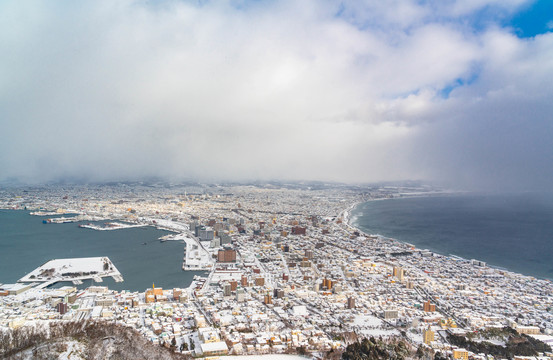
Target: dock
[[73, 270]]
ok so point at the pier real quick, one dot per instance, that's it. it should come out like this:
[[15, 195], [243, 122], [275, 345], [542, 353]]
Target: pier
[[73, 270]]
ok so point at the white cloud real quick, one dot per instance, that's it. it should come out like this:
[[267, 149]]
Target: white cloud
[[466, 7], [301, 90]]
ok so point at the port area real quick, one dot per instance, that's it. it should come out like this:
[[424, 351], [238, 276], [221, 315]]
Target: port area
[[196, 255], [74, 270], [78, 218], [111, 226], [177, 237]]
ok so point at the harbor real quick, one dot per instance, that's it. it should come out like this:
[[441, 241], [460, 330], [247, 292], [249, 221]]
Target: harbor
[[73, 270], [78, 218], [110, 226]]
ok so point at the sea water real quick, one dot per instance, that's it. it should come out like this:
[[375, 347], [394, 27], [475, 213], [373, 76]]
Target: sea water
[[26, 243], [513, 231]]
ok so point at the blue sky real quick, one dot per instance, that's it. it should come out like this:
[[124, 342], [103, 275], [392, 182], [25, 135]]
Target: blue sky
[[533, 19], [451, 91]]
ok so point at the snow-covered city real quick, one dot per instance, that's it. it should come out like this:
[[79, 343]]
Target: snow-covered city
[[287, 273]]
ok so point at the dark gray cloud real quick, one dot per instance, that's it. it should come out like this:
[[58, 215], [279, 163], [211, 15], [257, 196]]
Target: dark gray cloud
[[257, 90]]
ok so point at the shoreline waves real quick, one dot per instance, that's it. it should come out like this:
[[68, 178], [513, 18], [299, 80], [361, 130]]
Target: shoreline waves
[[353, 217]]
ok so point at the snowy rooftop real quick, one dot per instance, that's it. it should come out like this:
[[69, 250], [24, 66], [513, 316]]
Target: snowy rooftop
[[71, 269]]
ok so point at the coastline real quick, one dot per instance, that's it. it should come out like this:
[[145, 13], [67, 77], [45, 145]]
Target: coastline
[[350, 222], [366, 277], [346, 214], [123, 247]]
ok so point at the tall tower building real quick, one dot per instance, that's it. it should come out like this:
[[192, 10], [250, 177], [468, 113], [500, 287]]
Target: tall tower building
[[428, 336], [351, 303]]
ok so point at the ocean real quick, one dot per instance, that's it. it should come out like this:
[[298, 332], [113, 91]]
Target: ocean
[[511, 231], [26, 243]]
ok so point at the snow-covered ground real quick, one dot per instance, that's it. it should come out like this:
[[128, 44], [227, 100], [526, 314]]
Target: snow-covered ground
[[111, 226], [197, 257], [265, 357], [548, 339], [75, 350], [62, 350], [416, 337], [367, 321], [372, 326], [69, 270], [177, 237], [167, 224], [379, 332]]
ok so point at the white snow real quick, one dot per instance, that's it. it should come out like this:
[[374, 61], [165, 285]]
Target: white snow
[[265, 357], [367, 321], [53, 270]]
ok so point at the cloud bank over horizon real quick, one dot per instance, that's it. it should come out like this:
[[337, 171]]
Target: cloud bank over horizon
[[445, 91]]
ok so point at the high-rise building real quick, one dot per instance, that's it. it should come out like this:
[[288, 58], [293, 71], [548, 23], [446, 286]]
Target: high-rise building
[[193, 226], [226, 256], [225, 238], [61, 308], [298, 230], [278, 293], [259, 281], [226, 290], [351, 303], [390, 314], [176, 294], [205, 234], [428, 307], [398, 272], [240, 295], [460, 354], [428, 336], [327, 284]]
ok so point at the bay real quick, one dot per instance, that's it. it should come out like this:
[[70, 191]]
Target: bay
[[26, 243], [512, 231]]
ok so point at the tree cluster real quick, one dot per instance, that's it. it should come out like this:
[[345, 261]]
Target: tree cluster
[[101, 340], [372, 349], [515, 344]]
